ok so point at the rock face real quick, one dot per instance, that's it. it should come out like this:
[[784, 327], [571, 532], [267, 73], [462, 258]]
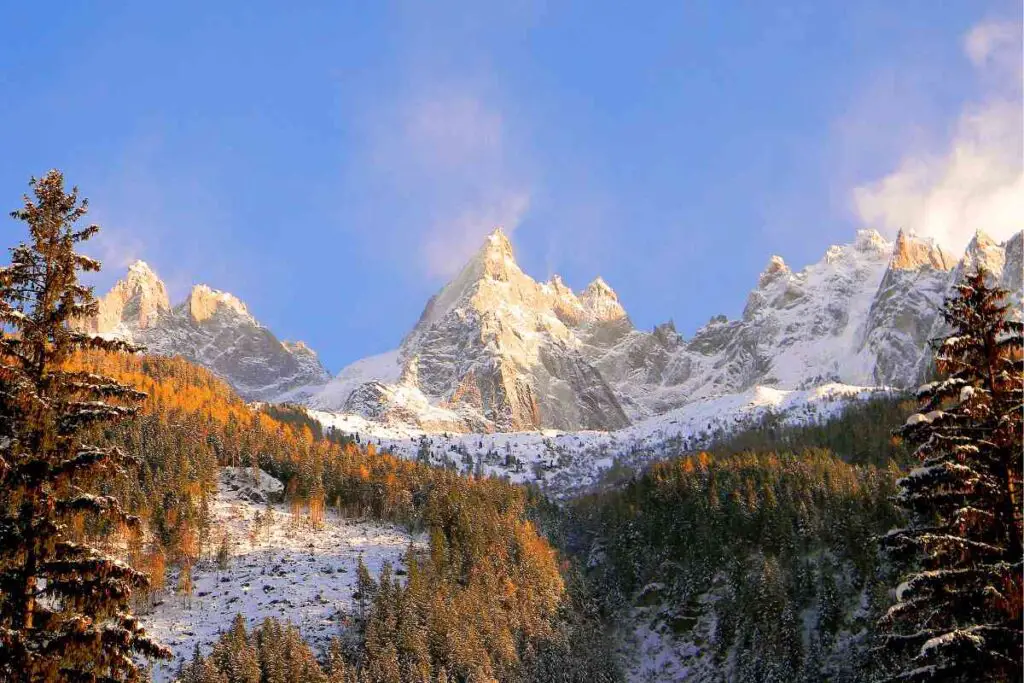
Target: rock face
[[137, 300], [211, 328], [798, 329], [496, 350], [1004, 261], [904, 308]]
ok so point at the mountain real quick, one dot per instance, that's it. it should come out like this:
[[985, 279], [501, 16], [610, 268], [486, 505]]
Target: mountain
[[904, 308], [495, 350], [211, 328], [1005, 261], [798, 329]]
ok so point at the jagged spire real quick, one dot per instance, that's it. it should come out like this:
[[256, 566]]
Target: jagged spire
[[911, 252], [600, 302], [497, 248], [138, 298], [203, 302], [776, 267]]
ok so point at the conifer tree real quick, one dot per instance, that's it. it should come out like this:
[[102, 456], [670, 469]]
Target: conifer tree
[[957, 615], [64, 604], [234, 655]]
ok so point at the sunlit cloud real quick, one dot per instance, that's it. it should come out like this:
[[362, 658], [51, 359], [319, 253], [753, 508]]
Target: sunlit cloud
[[445, 151], [974, 179]]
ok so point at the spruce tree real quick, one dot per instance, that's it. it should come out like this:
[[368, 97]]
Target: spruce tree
[[235, 656], [957, 615], [64, 605]]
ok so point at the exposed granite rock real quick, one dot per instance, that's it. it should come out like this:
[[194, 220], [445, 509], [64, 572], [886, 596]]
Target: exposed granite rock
[[211, 328]]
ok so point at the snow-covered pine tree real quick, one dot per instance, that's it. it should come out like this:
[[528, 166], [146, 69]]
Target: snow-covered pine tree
[[958, 612], [64, 606]]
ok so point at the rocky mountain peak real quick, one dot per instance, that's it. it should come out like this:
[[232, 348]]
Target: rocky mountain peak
[[137, 300], [204, 302], [496, 256], [600, 302], [985, 252], [871, 241], [558, 285], [775, 269], [139, 270], [912, 252]]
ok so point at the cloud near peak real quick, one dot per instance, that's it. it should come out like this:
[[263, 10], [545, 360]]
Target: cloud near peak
[[446, 152], [975, 181]]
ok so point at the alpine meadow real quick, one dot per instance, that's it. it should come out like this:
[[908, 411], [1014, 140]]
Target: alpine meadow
[[481, 467]]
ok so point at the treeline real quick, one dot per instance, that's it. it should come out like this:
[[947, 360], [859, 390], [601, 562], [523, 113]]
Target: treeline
[[485, 600], [764, 560], [862, 435]]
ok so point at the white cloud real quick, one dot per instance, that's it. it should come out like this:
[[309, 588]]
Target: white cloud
[[446, 153], [975, 180], [993, 40]]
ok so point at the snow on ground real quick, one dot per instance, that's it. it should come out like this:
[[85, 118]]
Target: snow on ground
[[383, 367], [566, 462], [289, 570]]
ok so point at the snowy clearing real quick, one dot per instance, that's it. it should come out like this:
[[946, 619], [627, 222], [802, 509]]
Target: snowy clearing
[[284, 568]]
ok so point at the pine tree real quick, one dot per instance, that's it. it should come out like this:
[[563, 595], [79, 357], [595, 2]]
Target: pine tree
[[235, 656], [366, 589], [64, 605], [958, 612], [338, 668]]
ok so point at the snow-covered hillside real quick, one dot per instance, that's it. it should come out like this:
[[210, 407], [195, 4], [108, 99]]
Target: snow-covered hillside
[[565, 462], [278, 566]]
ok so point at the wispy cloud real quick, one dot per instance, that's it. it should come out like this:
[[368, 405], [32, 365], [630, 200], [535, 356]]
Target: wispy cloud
[[445, 150], [974, 178], [174, 222]]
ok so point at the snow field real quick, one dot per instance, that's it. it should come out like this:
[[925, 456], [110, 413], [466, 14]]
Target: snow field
[[284, 568]]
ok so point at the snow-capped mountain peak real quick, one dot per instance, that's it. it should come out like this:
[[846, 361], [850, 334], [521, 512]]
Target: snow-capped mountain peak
[[497, 255], [912, 252], [600, 302], [774, 271], [212, 328], [136, 300], [204, 302], [496, 350]]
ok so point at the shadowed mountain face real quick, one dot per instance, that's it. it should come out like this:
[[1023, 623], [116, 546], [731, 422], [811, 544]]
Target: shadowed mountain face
[[495, 350], [211, 328]]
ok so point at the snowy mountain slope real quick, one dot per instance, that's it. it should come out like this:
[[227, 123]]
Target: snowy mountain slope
[[1005, 261], [211, 328], [282, 567], [565, 462], [797, 330], [903, 311], [496, 350]]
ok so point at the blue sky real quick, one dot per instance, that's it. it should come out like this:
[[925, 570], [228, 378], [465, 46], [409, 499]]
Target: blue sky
[[332, 163]]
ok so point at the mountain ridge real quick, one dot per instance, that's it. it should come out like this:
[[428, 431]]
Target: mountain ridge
[[210, 327], [496, 350]]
